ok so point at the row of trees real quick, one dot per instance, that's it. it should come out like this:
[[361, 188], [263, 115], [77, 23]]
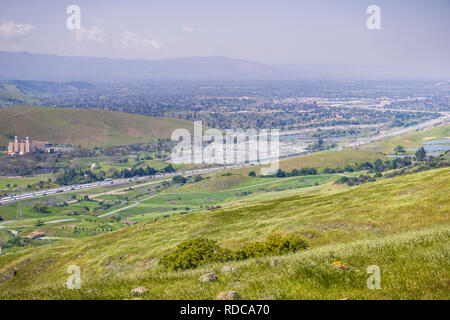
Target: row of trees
[[377, 166], [421, 163], [296, 172], [75, 176]]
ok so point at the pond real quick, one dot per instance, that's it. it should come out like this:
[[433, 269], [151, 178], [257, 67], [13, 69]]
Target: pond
[[430, 148], [434, 145], [442, 141]]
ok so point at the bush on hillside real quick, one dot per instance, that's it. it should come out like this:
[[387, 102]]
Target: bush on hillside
[[179, 179], [193, 253], [275, 244], [353, 181], [196, 252], [39, 208]]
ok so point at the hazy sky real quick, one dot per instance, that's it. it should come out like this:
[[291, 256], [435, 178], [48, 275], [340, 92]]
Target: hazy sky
[[414, 33]]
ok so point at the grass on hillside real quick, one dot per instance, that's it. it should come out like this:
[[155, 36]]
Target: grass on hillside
[[10, 95], [86, 127], [414, 265]]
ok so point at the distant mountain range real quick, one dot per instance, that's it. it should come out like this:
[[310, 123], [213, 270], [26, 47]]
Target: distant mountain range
[[29, 66]]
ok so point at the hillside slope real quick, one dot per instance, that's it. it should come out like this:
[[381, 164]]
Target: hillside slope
[[324, 215], [86, 127], [413, 265]]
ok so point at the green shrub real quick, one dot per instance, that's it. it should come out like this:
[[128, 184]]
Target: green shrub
[[275, 244], [193, 253], [16, 241], [179, 179], [39, 208], [196, 252]]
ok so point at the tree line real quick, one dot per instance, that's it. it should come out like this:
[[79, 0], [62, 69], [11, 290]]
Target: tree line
[[79, 175]]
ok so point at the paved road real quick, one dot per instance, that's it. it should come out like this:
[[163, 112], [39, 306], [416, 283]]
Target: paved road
[[61, 220], [2, 225], [131, 205], [118, 190], [54, 238]]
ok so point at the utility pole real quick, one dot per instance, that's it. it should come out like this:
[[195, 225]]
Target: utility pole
[[19, 206]]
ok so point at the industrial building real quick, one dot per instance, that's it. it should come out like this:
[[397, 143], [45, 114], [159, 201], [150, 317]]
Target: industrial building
[[21, 147]]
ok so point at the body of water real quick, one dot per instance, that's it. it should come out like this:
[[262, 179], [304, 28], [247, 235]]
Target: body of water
[[290, 137], [432, 147], [443, 141]]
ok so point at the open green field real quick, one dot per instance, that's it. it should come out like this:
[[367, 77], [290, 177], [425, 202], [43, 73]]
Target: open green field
[[400, 224], [85, 127], [21, 183], [79, 227]]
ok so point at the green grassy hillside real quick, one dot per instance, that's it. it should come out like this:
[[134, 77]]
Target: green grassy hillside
[[400, 224], [11, 94], [414, 265], [86, 127]]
